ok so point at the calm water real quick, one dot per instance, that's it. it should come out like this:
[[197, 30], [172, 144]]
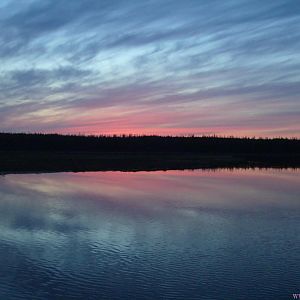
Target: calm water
[[150, 235]]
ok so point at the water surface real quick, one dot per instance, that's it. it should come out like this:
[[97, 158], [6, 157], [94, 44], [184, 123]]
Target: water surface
[[150, 235]]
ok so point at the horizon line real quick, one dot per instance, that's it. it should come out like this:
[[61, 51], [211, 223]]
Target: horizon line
[[127, 135]]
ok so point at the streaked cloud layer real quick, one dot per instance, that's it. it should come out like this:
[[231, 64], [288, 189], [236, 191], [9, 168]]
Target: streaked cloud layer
[[162, 67]]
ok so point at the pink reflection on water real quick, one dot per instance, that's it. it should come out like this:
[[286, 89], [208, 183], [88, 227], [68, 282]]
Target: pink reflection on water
[[238, 189]]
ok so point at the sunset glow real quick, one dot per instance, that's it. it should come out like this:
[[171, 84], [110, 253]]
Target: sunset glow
[[150, 67]]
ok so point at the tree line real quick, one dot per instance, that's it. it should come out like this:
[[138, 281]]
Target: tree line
[[147, 144]]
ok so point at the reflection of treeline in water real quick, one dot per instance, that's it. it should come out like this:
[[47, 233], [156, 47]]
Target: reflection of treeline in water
[[147, 144]]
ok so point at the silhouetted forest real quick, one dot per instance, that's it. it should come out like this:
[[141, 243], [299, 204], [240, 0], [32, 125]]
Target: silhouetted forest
[[60, 153], [147, 144]]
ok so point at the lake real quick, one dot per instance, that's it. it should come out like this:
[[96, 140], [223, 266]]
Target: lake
[[223, 234]]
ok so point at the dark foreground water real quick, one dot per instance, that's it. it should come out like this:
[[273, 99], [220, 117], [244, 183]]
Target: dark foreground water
[[157, 235]]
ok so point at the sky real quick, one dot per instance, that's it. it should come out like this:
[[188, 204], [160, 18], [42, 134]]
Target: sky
[[150, 67]]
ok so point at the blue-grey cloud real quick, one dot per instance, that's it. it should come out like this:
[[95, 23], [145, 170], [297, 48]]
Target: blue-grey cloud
[[93, 58]]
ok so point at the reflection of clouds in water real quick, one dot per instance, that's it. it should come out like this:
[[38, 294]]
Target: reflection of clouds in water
[[112, 203], [153, 193], [81, 232]]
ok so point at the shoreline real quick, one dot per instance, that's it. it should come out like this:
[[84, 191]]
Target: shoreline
[[15, 162]]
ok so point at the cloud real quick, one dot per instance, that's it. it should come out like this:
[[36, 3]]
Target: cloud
[[64, 57]]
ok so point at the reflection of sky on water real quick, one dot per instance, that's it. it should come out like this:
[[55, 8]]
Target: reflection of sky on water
[[70, 202], [150, 191], [71, 229]]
